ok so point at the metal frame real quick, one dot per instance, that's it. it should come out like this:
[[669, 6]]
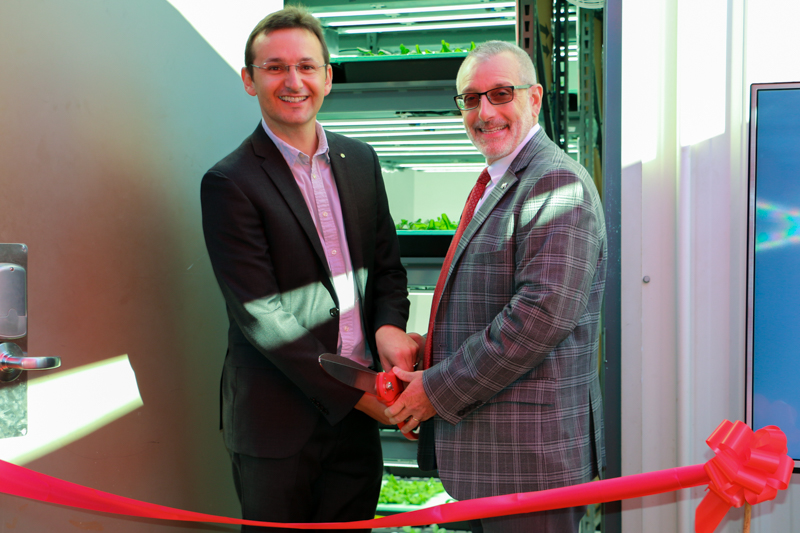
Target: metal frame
[[612, 331], [559, 95], [529, 39], [586, 90]]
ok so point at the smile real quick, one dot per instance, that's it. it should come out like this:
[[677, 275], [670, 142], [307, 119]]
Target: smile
[[293, 99], [492, 130]]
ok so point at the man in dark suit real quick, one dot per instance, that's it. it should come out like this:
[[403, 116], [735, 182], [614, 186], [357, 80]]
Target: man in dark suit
[[298, 230], [512, 396]]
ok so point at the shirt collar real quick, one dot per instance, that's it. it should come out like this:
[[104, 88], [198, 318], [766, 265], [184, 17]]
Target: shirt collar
[[499, 167], [292, 154]]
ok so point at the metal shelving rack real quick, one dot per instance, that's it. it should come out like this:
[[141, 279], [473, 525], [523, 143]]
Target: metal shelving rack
[[550, 30], [556, 33]]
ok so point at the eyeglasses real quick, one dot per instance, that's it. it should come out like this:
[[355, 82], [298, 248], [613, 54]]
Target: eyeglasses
[[305, 69], [496, 96]]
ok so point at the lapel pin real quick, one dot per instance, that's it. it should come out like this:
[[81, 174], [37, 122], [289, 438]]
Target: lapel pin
[[503, 186], [342, 155]]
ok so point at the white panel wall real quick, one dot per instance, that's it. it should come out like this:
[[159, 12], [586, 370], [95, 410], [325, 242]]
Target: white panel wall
[[427, 195], [686, 69]]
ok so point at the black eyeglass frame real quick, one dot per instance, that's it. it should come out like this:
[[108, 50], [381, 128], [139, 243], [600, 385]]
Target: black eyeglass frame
[[488, 97]]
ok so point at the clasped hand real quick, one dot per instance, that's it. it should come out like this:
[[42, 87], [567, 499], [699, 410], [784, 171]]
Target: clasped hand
[[412, 406], [400, 352], [397, 348]]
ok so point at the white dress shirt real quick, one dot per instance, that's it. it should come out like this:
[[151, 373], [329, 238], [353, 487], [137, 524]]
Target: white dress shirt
[[499, 167]]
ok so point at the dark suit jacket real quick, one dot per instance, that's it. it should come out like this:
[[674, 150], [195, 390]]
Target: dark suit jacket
[[282, 307], [515, 348]]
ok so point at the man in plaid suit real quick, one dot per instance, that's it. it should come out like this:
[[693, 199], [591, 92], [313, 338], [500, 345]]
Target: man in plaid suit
[[511, 401]]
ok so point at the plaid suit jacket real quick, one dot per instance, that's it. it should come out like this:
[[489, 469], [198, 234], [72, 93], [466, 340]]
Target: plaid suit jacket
[[515, 346]]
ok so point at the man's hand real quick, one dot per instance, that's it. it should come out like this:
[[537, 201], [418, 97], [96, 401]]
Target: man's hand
[[413, 405], [373, 407], [396, 348], [420, 340]]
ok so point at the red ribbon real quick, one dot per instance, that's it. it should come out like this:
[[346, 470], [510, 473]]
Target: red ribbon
[[749, 466]]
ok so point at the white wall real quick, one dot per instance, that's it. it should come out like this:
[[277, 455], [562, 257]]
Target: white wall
[[427, 195], [686, 67], [110, 113]]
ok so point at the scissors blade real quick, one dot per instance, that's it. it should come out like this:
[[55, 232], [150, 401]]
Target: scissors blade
[[349, 372]]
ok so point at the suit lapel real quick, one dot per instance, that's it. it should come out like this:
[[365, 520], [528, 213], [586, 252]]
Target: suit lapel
[[278, 171], [345, 177], [521, 162]]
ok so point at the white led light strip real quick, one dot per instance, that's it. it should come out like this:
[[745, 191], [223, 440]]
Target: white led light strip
[[409, 128], [420, 148], [428, 27], [407, 133], [402, 143], [400, 11], [373, 122], [417, 154], [417, 20]]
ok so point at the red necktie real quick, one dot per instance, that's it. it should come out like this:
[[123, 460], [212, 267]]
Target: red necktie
[[469, 210]]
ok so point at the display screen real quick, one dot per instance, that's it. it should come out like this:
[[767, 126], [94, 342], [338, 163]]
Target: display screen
[[774, 261]]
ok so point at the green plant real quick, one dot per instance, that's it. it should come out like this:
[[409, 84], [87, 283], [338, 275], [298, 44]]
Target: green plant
[[410, 492], [440, 223], [366, 52], [416, 50], [434, 529]]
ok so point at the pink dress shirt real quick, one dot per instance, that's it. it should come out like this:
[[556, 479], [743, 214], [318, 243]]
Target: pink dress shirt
[[316, 182]]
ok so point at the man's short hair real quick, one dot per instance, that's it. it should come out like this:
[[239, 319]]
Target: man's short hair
[[490, 49], [288, 17]]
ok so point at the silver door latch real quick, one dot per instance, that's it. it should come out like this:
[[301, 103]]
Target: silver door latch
[[14, 316], [13, 361]]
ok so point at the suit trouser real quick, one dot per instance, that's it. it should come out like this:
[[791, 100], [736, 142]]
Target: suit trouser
[[335, 477], [555, 521]]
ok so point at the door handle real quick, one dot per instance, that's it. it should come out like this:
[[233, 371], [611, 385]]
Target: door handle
[[13, 361]]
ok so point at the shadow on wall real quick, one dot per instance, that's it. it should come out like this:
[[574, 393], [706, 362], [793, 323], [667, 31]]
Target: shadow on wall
[[111, 113]]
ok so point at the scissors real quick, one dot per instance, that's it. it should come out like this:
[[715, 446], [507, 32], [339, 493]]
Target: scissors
[[384, 385]]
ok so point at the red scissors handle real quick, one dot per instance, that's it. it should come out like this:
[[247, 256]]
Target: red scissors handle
[[389, 388]]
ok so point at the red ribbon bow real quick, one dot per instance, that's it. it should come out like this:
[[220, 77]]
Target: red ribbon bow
[[748, 467]]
